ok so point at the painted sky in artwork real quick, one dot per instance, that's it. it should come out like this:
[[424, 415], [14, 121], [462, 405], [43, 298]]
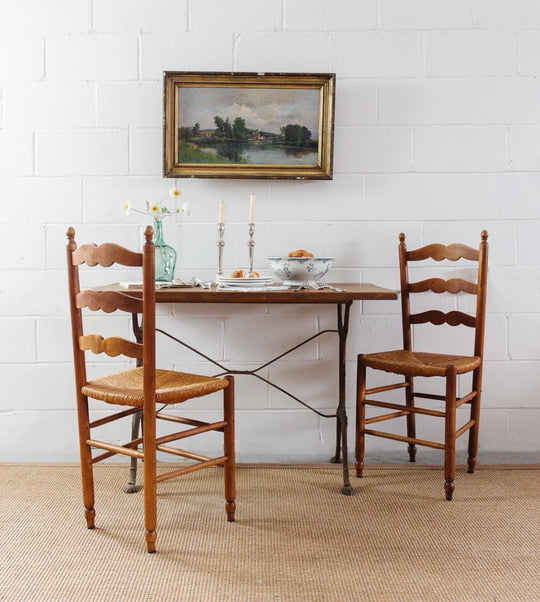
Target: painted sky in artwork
[[266, 109]]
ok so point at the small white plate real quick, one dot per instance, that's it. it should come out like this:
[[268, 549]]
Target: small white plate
[[244, 282]]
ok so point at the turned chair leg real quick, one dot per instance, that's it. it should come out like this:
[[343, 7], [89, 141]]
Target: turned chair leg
[[88, 491], [475, 416], [85, 452], [450, 432], [228, 435], [411, 422], [149, 474], [360, 416]]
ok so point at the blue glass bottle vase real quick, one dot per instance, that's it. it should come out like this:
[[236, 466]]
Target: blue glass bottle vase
[[165, 255]]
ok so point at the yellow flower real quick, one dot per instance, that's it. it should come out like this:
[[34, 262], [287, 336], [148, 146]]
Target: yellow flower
[[126, 207], [174, 192]]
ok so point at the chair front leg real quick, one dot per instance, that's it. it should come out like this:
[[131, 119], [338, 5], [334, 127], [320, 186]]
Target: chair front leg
[[360, 415], [228, 434], [450, 432], [85, 452], [149, 472]]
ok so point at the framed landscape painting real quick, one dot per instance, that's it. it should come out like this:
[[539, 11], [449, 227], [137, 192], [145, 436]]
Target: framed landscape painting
[[248, 125]]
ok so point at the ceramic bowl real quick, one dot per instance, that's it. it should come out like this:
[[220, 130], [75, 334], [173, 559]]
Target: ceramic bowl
[[295, 271]]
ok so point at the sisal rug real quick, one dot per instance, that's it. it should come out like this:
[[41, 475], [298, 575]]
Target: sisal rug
[[296, 537]]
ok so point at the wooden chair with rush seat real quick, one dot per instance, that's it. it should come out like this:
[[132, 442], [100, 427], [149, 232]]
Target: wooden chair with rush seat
[[140, 388], [409, 363]]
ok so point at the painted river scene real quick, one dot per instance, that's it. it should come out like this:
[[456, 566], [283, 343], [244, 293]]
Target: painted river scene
[[231, 125]]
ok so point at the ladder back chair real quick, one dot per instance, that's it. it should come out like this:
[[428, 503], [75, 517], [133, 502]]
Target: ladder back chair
[[410, 364], [140, 388]]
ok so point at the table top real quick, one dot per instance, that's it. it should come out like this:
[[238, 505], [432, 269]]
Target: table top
[[349, 292]]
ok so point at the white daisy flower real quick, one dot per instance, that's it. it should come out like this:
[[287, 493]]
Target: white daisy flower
[[154, 209], [157, 209]]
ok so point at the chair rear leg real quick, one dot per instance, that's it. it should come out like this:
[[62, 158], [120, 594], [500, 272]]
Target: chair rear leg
[[360, 416], [149, 472], [473, 435], [475, 415], [85, 452], [228, 442], [450, 432], [411, 422]]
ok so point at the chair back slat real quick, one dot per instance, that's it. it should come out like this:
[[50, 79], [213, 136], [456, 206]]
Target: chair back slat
[[105, 255], [438, 252], [108, 301], [452, 318], [439, 285], [112, 346]]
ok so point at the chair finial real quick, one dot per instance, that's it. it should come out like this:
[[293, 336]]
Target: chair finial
[[71, 244], [484, 235], [148, 234], [402, 237]]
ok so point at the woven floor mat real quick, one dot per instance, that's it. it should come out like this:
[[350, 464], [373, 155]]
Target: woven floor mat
[[296, 537]]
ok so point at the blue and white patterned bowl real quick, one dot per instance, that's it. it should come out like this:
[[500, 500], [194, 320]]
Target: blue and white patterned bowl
[[295, 271]]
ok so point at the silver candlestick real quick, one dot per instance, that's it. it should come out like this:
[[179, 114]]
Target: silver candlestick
[[220, 244], [251, 245]]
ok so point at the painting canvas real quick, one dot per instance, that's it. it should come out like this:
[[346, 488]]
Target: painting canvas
[[248, 125]]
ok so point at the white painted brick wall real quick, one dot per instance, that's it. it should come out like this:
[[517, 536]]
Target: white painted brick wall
[[476, 53], [16, 148], [127, 16], [377, 149], [26, 56], [146, 151], [273, 52], [41, 200], [88, 152], [460, 149], [35, 17], [92, 57], [436, 135], [44, 104], [524, 148], [185, 52], [425, 14], [128, 104], [376, 54], [529, 53], [316, 15]]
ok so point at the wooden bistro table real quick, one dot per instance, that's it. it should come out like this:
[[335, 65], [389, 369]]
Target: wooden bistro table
[[342, 299]]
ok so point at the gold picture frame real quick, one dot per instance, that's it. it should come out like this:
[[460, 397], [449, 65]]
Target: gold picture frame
[[248, 125]]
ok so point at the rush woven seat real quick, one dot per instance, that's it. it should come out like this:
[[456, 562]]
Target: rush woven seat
[[140, 388], [408, 363], [127, 388], [411, 363]]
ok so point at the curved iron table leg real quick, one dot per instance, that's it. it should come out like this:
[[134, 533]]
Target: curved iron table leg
[[341, 413], [131, 487], [341, 428], [336, 458]]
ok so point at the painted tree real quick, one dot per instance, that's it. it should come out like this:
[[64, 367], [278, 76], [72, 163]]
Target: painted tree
[[296, 134], [239, 129]]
